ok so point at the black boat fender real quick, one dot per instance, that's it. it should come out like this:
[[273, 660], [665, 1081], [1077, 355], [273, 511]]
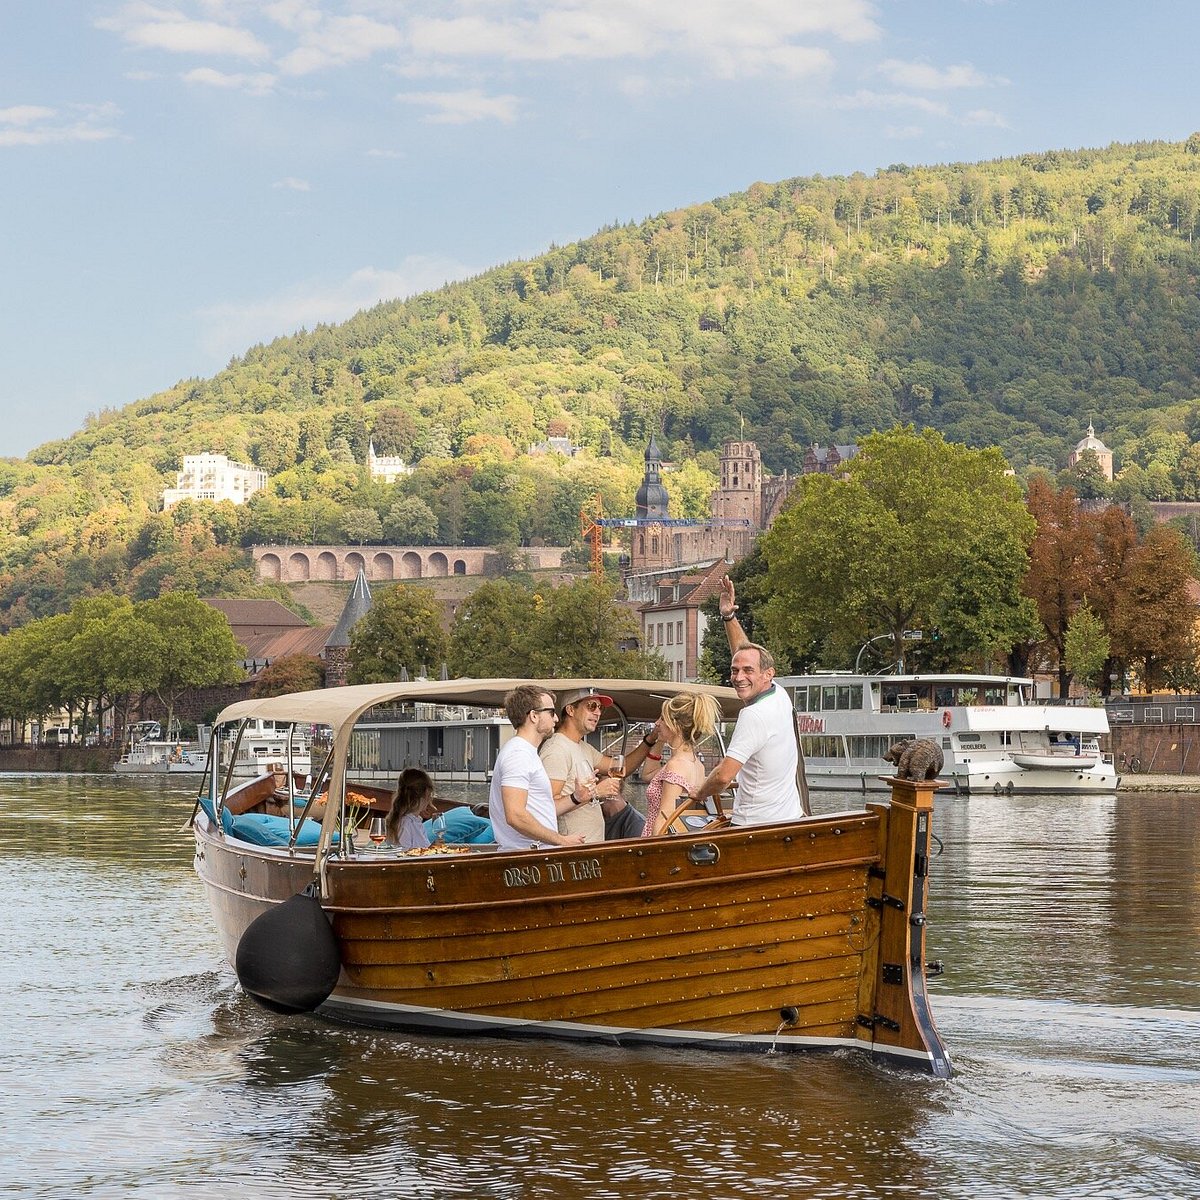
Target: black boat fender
[[287, 958]]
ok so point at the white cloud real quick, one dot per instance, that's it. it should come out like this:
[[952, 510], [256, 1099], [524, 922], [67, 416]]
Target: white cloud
[[747, 38], [153, 28], [892, 100], [229, 329], [292, 184], [929, 78], [25, 114], [257, 84], [985, 116], [459, 108], [36, 125], [337, 41]]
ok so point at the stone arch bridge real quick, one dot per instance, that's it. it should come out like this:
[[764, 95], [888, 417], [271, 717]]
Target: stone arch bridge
[[299, 564]]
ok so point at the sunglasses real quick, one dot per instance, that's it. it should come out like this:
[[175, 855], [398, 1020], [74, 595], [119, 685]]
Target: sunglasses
[[538, 710]]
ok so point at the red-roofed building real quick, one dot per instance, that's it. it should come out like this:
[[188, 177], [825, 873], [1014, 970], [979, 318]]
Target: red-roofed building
[[673, 625]]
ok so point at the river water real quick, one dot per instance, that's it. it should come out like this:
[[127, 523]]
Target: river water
[[131, 1065]]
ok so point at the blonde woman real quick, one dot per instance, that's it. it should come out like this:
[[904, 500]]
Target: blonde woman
[[686, 721]]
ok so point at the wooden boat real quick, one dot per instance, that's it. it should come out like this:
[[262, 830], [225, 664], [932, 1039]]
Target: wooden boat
[[803, 935]]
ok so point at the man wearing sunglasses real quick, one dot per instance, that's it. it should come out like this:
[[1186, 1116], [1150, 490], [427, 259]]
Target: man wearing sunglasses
[[581, 778], [520, 803]]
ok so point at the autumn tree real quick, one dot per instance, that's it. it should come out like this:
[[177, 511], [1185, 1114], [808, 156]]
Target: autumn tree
[[291, 673], [1063, 561], [402, 632], [1154, 617]]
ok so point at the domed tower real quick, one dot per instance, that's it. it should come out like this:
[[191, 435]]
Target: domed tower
[[739, 497], [652, 497]]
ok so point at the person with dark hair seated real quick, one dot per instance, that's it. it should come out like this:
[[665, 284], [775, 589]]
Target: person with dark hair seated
[[412, 802]]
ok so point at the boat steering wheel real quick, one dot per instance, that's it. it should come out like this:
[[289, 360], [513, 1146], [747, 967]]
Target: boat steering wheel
[[674, 823]]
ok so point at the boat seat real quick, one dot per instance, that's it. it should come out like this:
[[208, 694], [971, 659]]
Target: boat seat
[[263, 829]]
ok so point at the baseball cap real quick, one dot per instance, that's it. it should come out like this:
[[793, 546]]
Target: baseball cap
[[583, 694]]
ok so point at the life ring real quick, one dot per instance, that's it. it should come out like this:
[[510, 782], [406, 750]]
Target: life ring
[[946, 719]]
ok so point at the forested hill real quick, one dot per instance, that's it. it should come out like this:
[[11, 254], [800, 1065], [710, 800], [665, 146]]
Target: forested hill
[[1006, 303]]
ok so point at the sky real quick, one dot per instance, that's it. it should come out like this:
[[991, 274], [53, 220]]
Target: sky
[[183, 179]]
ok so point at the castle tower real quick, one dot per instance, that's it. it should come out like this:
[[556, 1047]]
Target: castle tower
[[739, 496]]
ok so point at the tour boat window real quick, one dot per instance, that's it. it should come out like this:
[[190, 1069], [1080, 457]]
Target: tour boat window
[[846, 697], [994, 695], [800, 698], [829, 698], [968, 695]]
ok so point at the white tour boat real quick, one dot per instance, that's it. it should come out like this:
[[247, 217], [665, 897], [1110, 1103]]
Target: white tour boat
[[149, 753], [995, 737], [262, 745]]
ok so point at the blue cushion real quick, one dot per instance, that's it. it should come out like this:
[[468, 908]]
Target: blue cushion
[[462, 825], [264, 829]]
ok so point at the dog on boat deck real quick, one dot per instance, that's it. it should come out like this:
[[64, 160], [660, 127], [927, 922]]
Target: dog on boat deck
[[915, 758]]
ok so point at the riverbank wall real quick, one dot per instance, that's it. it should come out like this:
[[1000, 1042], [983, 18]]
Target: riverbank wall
[[93, 760]]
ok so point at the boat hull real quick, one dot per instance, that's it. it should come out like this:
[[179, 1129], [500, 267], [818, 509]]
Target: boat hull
[[1000, 776], [767, 937]]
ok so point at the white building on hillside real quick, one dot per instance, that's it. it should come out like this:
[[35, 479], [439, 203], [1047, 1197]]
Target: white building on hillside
[[214, 477], [388, 467]]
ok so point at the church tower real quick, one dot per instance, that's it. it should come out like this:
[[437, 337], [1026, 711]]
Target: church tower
[[652, 498]]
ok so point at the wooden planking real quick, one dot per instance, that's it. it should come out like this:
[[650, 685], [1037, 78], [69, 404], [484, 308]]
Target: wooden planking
[[418, 940], [507, 978]]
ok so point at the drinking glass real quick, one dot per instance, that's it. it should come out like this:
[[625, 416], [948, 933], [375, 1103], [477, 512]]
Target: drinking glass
[[618, 767], [439, 828], [377, 831]]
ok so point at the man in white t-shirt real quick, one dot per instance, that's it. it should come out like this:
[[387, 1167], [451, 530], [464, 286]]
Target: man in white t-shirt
[[520, 803], [762, 754]]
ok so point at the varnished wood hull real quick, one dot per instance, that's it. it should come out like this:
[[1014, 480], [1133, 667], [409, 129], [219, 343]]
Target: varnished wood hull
[[805, 935]]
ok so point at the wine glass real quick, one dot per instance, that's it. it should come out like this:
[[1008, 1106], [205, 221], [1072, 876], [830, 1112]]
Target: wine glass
[[439, 828], [377, 831]]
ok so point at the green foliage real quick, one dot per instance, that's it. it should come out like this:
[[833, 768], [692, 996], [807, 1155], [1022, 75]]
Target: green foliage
[[919, 533], [995, 303], [106, 650], [1087, 646], [506, 630], [401, 632]]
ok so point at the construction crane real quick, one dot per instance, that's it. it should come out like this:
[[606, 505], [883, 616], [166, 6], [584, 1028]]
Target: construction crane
[[591, 521]]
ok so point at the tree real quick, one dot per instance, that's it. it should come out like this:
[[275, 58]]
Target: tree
[[291, 673], [410, 522], [492, 631], [401, 632], [1087, 646], [893, 545], [1154, 617], [362, 525], [1063, 560], [193, 647], [583, 631]]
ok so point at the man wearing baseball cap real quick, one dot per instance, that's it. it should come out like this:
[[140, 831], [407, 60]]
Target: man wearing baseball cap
[[581, 778]]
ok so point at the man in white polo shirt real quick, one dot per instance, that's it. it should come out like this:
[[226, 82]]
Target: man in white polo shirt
[[762, 754]]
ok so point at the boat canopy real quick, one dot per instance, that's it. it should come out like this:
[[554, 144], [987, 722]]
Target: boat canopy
[[638, 699]]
